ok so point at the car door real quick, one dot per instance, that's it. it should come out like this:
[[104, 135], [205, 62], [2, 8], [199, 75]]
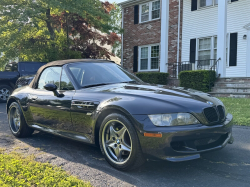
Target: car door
[[47, 109], [83, 106]]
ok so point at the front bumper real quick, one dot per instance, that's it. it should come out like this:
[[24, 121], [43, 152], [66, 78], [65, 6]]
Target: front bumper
[[183, 143]]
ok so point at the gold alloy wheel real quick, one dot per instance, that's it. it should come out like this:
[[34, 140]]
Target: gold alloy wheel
[[14, 119], [116, 142]]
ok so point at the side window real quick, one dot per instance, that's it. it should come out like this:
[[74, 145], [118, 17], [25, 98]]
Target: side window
[[65, 82], [50, 75]]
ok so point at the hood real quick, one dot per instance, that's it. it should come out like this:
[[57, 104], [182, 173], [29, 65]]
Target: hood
[[176, 95]]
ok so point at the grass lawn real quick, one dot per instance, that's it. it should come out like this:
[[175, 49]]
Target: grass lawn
[[16, 170], [239, 108]]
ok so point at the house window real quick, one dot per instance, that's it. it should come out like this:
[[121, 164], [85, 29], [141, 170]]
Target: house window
[[150, 11], [149, 58], [215, 48], [206, 3], [156, 9], [144, 58], [207, 49], [145, 13], [204, 51]]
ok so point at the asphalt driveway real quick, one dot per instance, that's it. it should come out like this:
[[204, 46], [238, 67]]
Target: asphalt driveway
[[227, 167]]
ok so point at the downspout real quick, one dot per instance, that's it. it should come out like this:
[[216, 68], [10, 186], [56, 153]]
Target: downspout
[[122, 38], [178, 40]]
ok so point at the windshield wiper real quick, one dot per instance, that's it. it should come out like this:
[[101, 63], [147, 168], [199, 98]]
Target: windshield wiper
[[101, 84], [94, 85], [129, 82]]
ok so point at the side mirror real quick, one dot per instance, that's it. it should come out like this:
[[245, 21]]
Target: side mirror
[[53, 88], [50, 87]]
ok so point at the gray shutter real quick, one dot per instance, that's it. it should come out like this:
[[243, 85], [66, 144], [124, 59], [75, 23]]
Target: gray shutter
[[136, 14], [192, 55], [233, 49], [135, 65], [194, 5]]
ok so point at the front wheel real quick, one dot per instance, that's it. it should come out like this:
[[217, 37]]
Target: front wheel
[[119, 143]]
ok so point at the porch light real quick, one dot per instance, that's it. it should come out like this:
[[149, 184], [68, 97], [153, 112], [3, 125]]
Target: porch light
[[245, 37]]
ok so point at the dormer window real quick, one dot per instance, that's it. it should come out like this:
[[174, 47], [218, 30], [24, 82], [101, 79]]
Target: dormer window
[[150, 11]]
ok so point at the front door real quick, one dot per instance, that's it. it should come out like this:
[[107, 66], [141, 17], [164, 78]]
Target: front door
[[48, 110]]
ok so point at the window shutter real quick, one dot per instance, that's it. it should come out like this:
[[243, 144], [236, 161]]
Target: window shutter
[[233, 49], [192, 51], [135, 66], [233, 0], [136, 14], [194, 5]]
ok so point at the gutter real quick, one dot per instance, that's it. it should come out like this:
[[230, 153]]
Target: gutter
[[133, 2], [122, 38]]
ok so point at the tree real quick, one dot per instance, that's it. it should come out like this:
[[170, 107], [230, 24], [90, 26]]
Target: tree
[[37, 30], [116, 16]]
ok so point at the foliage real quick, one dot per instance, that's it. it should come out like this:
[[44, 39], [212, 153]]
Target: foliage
[[37, 30], [198, 80], [154, 77], [116, 15], [16, 170], [239, 108]]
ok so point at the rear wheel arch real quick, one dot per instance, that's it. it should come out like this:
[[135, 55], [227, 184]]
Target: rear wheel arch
[[19, 128], [10, 101]]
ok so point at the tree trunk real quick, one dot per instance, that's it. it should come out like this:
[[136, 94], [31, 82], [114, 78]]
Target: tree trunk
[[48, 22]]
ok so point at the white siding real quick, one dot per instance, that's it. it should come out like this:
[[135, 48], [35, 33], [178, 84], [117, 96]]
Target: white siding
[[204, 22]]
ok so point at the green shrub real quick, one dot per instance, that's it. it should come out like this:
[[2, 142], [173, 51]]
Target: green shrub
[[154, 77], [198, 80], [16, 170]]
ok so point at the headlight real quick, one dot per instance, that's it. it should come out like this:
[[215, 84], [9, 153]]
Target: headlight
[[166, 120]]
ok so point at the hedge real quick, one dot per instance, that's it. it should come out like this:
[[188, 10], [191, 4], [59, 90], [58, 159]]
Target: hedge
[[198, 80], [154, 77]]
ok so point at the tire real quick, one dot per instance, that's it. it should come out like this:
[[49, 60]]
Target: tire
[[17, 123], [5, 92], [116, 137]]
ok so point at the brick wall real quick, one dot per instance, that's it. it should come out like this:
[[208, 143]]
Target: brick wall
[[137, 35], [149, 33], [173, 32]]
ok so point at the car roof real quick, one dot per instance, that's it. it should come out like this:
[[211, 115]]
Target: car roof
[[62, 63]]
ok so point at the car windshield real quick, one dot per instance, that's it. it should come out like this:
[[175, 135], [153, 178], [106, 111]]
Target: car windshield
[[96, 74]]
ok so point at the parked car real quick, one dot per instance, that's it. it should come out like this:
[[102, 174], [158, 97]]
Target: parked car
[[24, 81], [11, 74], [98, 102]]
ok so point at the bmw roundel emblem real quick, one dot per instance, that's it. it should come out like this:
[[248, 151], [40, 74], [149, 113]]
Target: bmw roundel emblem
[[209, 102]]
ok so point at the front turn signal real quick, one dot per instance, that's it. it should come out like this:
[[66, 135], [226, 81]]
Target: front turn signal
[[153, 135]]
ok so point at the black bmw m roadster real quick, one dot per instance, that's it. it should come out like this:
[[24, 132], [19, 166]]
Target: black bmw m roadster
[[98, 102]]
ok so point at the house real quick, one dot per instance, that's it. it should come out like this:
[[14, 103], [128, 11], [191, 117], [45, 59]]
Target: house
[[152, 33], [201, 28], [176, 35]]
